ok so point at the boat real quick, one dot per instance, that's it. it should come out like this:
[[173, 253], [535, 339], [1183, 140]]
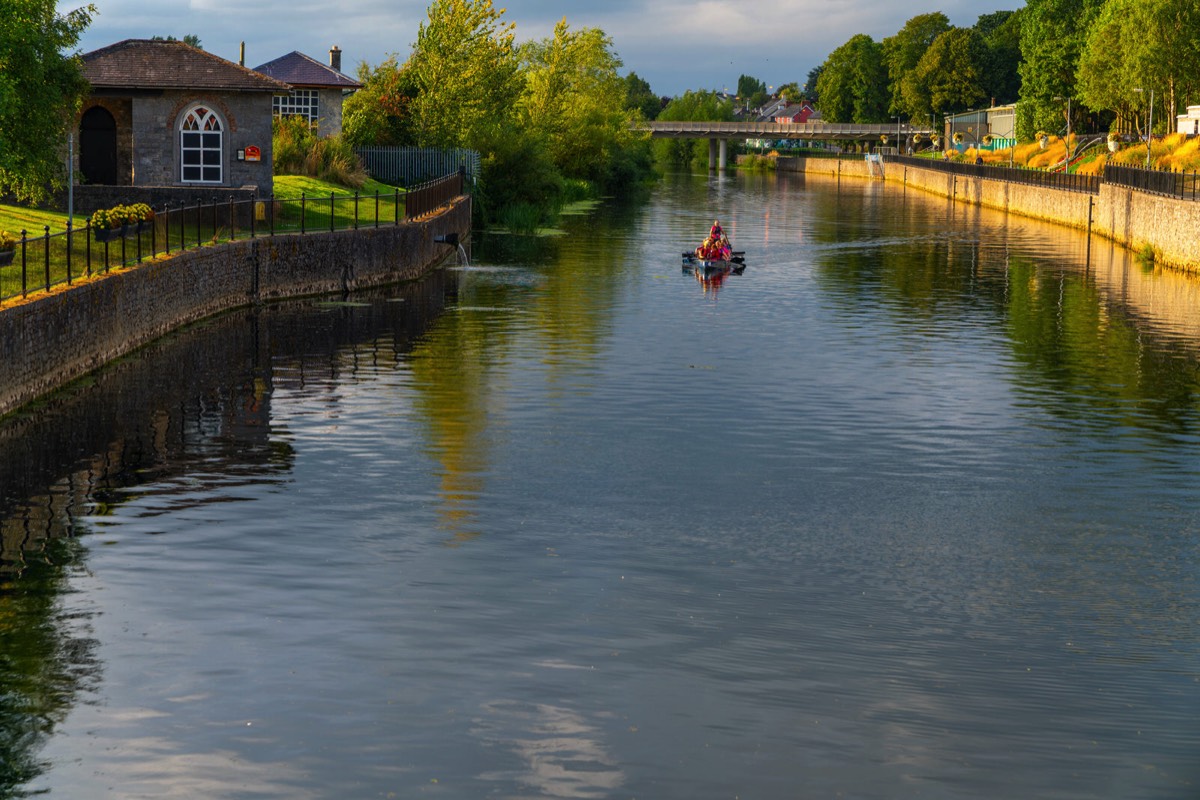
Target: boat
[[735, 264]]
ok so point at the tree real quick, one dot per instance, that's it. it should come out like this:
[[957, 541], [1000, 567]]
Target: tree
[[748, 87], [1053, 34], [570, 82], [702, 106], [810, 84], [949, 76], [639, 97], [466, 71], [380, 114], [1147, 44], [902, 52], [791, 92], [853, 82], [1001, 32], [41, 89]]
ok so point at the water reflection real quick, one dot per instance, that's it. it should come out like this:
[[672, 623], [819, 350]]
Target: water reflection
[[190, 415]]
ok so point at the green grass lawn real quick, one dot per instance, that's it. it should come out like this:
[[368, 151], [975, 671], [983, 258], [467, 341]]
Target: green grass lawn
[[15, 219]]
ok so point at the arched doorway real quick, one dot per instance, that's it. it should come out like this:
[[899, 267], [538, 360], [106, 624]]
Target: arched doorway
[[98, 146]]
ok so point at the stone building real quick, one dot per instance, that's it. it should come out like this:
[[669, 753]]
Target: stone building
[[165, 114], [316, 90]]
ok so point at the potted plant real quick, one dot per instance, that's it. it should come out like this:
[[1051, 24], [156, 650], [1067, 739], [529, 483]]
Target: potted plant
[[1114, 141], [1043, 139], [8, 248], [108, 223]]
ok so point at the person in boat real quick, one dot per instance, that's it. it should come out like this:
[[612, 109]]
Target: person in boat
[[716, 247]]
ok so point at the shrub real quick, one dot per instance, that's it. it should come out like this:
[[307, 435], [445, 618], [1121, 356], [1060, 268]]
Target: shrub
[[7, 241], [296, 150]]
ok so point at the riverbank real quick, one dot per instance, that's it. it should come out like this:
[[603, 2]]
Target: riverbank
[[1134, 219], [58, 337]]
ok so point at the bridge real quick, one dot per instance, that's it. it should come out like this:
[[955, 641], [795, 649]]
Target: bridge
[[718, 133]]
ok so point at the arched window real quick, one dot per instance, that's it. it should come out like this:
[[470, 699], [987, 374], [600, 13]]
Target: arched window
[[200, 153]]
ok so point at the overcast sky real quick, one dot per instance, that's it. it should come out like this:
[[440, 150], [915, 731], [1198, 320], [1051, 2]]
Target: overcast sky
[[676, 45]]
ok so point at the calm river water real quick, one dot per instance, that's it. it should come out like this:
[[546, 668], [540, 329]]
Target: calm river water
[[908, 509]]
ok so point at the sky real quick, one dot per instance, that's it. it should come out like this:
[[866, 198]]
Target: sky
[[675, 45]]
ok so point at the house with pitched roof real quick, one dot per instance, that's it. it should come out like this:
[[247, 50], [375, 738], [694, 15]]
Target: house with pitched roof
[[317, 89], [165, 114]]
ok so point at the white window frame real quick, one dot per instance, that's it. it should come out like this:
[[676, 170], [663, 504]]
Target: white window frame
[[201, 146], [298, 103]]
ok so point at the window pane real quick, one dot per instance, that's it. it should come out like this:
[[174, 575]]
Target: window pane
[[212, 157], [191, 157], [212, 174], [191, 140], [212, 140], [191, 173]]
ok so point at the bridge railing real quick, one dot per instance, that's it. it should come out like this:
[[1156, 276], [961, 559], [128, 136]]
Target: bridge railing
[[778, 130]]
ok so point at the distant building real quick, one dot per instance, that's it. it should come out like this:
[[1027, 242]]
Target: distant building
[[999, 122], [1189, 123], [317, 89], [801, 112], [163, 113]]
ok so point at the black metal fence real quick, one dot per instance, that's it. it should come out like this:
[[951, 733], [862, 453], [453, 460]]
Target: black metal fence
[[1180, 185], [410, 165], [1035, 177], [44, 260]]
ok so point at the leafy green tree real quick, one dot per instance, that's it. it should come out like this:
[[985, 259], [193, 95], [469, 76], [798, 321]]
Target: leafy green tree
[[810, 83], [466, 71], [570, 82], [1001, 32], [1053, 35], [380, 114], [41, 89], [791, 92], [639, 97], [853, 82], [902, 52], [699, 106], [950, 74], [748, 87]]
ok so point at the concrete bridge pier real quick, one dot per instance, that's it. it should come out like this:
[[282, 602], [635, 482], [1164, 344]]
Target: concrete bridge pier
[[717, 151]]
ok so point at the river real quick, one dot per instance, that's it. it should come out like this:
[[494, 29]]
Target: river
[[907, 509]]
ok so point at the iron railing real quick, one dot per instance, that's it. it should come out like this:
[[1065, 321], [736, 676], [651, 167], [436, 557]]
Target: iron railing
[[1180, 185], [407, 166], [1036, 177], [43, 261]]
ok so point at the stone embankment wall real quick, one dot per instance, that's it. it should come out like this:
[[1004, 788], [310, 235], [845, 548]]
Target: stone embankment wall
[[59, 337], [1132, 218]]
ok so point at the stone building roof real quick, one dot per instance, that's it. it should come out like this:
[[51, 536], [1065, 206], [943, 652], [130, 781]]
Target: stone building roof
[[303, 71], [162, 64]]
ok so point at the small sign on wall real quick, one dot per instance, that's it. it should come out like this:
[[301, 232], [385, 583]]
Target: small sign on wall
[[253, 153]]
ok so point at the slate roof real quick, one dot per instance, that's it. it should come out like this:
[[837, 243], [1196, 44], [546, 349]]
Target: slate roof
[[303, 71], [160, 64]]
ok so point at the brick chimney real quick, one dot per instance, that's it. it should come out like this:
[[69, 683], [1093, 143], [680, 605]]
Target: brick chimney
[[335, 57]]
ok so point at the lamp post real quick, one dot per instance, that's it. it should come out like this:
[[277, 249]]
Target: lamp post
[[1067, 167], [1149, 126]]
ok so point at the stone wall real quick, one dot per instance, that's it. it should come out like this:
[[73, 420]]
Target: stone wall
[[1134, 219], [59, 337]]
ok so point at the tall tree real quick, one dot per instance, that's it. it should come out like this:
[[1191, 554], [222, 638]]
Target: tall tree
[[1001, 32], [810, 83], [41, 88], [380, 113], [639, 97], [570, 82], [853, 82], [1053, 34], [902, 52], [950, 73], [748, 86], [466, 71]]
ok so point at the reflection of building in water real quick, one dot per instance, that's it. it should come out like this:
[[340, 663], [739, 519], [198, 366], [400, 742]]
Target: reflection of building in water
[[197, 403]]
